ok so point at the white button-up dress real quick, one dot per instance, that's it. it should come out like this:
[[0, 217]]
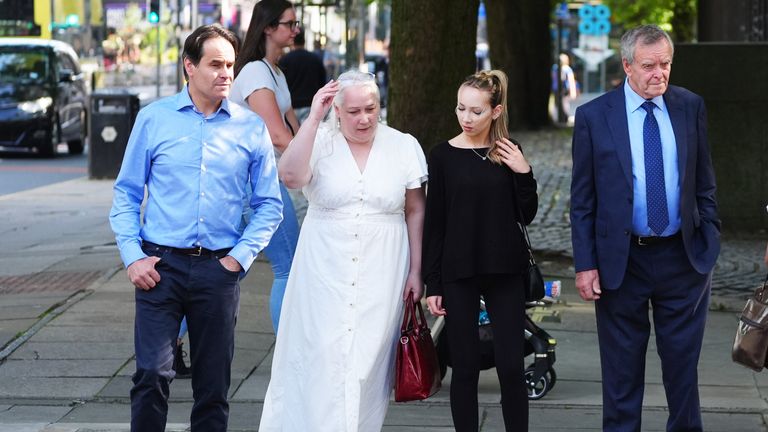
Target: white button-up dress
[[333, 363]]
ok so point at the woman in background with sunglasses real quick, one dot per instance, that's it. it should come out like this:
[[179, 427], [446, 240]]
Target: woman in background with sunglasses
[[260, 85]]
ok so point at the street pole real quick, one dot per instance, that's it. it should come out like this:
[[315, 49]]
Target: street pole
[[159, 59], [179, 48], [561, 116]]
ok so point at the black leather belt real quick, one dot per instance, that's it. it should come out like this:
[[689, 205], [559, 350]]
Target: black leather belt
[[650, 241], [195, 251]]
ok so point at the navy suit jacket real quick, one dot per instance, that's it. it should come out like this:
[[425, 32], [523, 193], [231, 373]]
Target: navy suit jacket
[[601, 187]]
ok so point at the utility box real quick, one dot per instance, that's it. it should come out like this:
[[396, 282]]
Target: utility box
[[113, 112]]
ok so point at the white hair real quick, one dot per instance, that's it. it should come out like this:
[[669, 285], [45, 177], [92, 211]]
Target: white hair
[[351, 78]]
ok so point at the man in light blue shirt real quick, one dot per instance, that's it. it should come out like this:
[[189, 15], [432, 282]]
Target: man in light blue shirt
[[194, 154], [645, 231]]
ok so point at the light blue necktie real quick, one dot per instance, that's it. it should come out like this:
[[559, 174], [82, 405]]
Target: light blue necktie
[[655, 191]]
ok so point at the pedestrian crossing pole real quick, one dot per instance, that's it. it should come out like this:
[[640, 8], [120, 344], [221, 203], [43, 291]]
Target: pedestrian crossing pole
[[154, 18]]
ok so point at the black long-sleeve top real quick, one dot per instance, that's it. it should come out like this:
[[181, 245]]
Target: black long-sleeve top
[[470, 226]]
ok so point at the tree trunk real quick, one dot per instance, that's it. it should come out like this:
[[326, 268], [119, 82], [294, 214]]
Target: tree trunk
[[432, 50], [519, 44]]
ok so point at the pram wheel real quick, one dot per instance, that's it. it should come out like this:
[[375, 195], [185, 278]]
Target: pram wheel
[[537, 390], [551, 377]]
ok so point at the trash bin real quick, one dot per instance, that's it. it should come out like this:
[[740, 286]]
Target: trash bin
[[113, 112]]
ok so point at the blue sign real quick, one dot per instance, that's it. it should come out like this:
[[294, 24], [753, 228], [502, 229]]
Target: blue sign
[[594, 20], [562, 11]]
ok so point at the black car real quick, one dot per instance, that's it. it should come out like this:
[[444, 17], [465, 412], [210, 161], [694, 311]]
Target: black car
[[43, 96]]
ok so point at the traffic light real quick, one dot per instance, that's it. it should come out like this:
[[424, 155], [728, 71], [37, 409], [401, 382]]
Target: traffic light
[[154, 11]]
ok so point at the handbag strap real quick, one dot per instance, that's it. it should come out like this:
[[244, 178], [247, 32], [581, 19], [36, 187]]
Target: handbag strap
[[277, 85], [761, 291], [407, 313], [410, 320], [520, 223]]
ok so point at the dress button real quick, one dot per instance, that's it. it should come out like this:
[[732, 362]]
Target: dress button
[[201, 219], [354, 259], [353, 283]]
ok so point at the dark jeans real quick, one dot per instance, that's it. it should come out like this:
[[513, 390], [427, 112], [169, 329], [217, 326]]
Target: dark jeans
[[505, 302], [208, 294]]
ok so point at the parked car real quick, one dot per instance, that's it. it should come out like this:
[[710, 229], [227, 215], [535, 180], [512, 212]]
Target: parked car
[[43, 96]]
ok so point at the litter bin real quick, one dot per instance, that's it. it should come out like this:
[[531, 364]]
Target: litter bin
[[113, 112]]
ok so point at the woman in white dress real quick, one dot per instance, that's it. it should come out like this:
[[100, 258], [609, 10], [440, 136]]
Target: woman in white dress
[[359, 256]]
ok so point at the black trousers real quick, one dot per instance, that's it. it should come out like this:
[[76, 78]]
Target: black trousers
[[505, 302], [208, 294]]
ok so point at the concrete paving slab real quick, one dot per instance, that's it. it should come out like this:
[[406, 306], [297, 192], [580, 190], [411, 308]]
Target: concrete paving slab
[[10, 329], [18, 265], [33, 414], [245, 362], [23, 312], [73, 351], [85, 334], [252, 388], [401, 416], [48, 387], [97, 318], [10, 301], [105, 427], [60, 368], [251, 340], [23, 427], [118, 388], [572, 393], [120, 413]]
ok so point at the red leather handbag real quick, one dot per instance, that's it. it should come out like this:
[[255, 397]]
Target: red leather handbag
[[417, 370]]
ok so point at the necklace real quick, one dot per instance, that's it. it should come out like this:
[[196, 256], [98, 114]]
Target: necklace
[[479, 155]]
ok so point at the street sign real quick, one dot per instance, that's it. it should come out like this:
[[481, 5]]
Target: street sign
[[594, 26], [594, 20], [109, 133]]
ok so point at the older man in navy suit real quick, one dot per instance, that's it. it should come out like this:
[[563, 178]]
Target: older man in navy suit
[[645, 230]]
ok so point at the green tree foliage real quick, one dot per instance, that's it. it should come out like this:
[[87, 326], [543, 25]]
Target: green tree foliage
[[678, 17]]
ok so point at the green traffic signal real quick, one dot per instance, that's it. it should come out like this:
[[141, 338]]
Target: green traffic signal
[[154, 18]]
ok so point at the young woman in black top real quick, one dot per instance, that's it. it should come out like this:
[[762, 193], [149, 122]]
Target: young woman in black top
[[473, 246]]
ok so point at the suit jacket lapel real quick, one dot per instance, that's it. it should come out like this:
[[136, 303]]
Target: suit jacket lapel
[[677, 117], [617, 121]]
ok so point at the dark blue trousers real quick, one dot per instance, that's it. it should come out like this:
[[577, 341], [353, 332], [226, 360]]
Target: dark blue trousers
[[208, 294], [660, 276]]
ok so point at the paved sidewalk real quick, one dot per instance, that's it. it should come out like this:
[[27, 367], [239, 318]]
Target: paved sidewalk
[[66, 319]]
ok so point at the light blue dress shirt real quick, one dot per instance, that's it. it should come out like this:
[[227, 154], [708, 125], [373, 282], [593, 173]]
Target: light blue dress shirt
[[196, 170], [635, 118]]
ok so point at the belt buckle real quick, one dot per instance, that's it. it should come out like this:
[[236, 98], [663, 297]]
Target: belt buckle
[[640, 241], [198, 252]]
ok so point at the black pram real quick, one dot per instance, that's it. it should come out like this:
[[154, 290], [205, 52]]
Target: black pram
[[539, 375]]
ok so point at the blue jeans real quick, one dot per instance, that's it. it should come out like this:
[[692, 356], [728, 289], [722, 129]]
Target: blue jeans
[[280, 251]]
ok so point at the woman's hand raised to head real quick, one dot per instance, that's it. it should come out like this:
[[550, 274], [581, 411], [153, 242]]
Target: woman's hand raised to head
[[512, 156], [323, 100]]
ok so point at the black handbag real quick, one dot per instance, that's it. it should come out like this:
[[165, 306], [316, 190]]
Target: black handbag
[[532, 279]]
